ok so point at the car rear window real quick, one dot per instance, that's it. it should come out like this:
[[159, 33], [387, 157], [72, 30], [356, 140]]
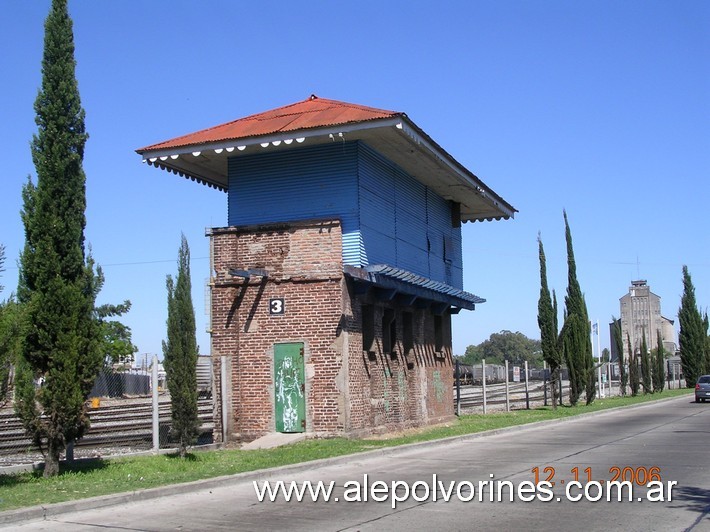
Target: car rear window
[[704, 379]]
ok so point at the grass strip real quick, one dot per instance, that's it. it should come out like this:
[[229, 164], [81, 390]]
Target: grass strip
[[107, 476]]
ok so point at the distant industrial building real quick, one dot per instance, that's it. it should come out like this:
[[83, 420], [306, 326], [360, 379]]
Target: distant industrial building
[[641, 316]]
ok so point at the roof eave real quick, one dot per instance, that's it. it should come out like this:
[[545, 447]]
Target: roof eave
[[178, 159], [275, 139], [467, 178]]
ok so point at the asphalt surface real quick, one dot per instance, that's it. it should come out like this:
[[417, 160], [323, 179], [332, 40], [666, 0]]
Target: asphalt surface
[[666, 439]]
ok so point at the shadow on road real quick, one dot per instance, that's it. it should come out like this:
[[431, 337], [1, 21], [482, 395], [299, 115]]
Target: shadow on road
[[693, 498]]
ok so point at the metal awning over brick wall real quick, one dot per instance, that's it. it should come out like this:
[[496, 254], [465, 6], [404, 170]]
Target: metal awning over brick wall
[[389, 283]]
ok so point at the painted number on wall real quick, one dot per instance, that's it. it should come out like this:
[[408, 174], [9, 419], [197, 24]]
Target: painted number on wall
[[276, 306]]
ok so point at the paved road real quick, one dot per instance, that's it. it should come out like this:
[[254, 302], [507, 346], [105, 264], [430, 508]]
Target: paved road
[[671, 436]]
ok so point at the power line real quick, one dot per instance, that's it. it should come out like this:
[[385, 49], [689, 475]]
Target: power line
[[147, 262], [138, 263]]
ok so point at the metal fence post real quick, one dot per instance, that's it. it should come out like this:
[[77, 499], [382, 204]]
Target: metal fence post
[[483, 380], [544, 381], [458, 389], [507, 394], [156, 412], [223, 396], [527, 391]]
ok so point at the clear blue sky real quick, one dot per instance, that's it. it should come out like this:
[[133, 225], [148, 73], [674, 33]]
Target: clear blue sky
[[601, 108]]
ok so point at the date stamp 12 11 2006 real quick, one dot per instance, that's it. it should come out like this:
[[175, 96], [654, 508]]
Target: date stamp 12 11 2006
[[640, 476]]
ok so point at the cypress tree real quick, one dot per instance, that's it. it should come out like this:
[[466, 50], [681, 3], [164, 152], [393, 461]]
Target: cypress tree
[[633, 369], [2, 263], [180, 353], [569, 354], [547, 321], [5, 336], [10, 337], [57, 285], [576, 332], [706, 358], [645, 365], [692, 337], [659, 365], [619, 345]]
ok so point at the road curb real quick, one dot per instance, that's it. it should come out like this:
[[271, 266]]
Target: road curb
[[48, 511]]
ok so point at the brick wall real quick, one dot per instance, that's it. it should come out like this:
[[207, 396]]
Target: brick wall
[[396, 390], [348, 391]]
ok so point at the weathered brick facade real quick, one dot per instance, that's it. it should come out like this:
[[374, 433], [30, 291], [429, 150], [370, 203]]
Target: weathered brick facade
[[348, 390]]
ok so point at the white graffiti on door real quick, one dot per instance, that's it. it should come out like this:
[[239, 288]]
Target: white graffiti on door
[[288, 390]]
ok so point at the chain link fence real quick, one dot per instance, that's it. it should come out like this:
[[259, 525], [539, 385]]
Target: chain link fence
[[124, 409]]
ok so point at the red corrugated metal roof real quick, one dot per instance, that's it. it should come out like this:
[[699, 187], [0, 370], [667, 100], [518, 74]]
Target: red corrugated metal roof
[[308, 114]]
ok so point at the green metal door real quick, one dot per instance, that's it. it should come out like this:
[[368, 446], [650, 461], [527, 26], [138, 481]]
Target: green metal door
[[289, 388]]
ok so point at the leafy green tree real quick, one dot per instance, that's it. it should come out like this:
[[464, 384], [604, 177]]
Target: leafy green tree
[[505, 345], [692, 338], [576, 332], [472, 355], [706, 358], [606, 355], [645, 365], [116, 338], [619, 345], [57, 280], [180, 353], [634, 381], [547, 321], [659, 365]]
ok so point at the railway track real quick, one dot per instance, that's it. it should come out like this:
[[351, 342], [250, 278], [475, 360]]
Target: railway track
[[114, 424], [472, 396]]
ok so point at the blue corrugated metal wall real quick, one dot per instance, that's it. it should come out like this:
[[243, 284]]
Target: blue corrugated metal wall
[[307, 183], [388, 217], [408, 225], [377, 210]]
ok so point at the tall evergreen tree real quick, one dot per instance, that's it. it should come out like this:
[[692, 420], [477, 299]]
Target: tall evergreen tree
[[619, 345], [634, 382], [547, 321], [645, 365], [57, 283], [8, 335], [576, 332], [692, 337], [180, 353], [2, 263], [706, 357], [659, 365]]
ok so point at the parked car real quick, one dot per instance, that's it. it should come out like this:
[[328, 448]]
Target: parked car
[[702, 388]]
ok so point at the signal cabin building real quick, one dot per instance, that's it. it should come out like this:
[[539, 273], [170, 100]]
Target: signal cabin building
[[335, 278]]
